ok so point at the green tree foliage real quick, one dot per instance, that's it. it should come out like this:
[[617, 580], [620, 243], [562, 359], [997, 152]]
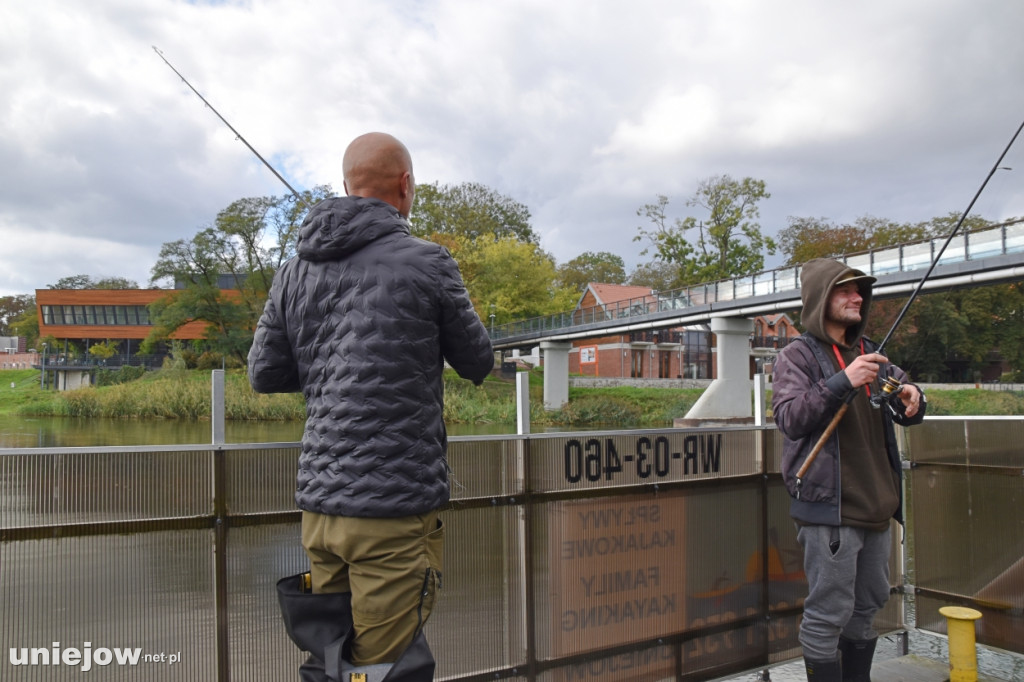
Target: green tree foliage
[[947, 336], [656, 274], [602, 266], [12, 308], [247, 243], [519, 282], [103, 350], [469, 212], [728, 241], [90, 282]]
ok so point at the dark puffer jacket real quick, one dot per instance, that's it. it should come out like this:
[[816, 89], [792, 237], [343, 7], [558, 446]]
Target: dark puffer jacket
[[361, 322]]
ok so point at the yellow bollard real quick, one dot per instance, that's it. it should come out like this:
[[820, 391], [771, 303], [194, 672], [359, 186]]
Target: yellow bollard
[[963, 655]]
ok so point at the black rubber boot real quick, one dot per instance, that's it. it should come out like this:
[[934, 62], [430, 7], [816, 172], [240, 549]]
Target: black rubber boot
[[322, 625], [857, 655], [824, 671]]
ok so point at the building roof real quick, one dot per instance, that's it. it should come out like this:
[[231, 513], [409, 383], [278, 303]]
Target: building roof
[[613, 293]]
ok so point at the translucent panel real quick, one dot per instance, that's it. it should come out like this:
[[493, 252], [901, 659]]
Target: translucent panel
[[860, 262], [996, 442], [938, 440], [787, 279], [1014, 236], [917, 256], [722, 291], [886, 261], [993, 441], [764, 283], [480, 622], [984, 244], [262, 479], [654, 665], [260, 556], [997, 627], [955, 252], [605, 459], [44, 487], [148, 595], [743, 287], [969, 532], [609, 571], [483, 467]]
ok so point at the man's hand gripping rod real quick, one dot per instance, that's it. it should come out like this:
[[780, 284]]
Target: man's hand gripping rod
[[890, 386]]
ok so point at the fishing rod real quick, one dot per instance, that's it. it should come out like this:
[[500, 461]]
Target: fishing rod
[[890, 386], [224, 120]]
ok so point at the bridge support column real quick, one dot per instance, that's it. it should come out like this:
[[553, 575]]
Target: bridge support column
[[728, 396], [556, 373]]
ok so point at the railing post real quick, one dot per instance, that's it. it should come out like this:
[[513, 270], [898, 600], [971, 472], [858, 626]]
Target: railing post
[[217, 406], [222, 633], [523, 403]]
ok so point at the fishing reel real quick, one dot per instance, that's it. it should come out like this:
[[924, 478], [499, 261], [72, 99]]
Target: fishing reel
[[888, 395]]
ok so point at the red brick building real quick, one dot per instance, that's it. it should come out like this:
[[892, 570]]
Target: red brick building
[[676, 353]]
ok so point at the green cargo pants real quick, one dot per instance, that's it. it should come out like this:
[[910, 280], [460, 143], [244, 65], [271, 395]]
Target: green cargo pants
[[391, 566]]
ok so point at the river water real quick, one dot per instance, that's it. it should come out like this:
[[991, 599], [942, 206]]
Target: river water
[[45, 432]]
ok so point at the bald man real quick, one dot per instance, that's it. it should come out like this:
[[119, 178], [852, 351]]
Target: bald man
[[361, 322]]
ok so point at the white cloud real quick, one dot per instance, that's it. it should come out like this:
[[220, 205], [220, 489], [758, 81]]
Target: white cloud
[[582, 110]]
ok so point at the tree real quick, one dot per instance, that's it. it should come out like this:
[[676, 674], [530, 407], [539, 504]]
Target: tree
[[808, 238], [90, 282], [658, 275], [588, 267], [469, 211], [247, 243], [728, 243], [11, 308], [519, 282]]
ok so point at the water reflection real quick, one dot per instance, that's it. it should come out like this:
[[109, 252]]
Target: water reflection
[[45, 432]]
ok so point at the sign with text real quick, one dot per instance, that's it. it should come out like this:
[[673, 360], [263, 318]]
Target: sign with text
[[617, 573]]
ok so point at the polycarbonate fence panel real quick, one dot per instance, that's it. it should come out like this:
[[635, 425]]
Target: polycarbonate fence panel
[[602, 459], [113, 607], [43, 487], [486, 467], [479, 624], [982, 441], [261, 480], [998, 627], [969, 542], [629, 568], [258, 557]]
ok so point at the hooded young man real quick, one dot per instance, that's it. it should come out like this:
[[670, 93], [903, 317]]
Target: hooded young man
[[845, 500]]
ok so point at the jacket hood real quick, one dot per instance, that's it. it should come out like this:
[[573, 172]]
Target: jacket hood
[[817, 279], [342, 225]]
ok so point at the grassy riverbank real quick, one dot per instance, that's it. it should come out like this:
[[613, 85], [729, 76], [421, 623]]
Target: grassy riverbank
[[184, 394]]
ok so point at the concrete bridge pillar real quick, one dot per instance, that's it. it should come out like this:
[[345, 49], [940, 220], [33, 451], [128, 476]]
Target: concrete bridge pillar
[[556, 373], [728, 396]]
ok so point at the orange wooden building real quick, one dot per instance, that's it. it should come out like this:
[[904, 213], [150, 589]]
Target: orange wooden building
[[88, 315]]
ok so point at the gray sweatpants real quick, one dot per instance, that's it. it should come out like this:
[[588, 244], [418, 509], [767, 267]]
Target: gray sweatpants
[[847, 586]]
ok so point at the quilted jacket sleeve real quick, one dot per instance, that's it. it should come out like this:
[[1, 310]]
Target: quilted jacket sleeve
[[272, 368], [465, 344]]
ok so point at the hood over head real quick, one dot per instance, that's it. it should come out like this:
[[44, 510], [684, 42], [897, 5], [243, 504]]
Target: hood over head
[[817, 279], [339, 226]]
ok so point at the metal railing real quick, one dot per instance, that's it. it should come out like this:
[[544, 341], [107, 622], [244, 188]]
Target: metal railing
[[669, 553], [1002, 239]]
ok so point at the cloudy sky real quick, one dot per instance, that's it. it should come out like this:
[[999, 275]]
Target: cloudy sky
[[583, 110]]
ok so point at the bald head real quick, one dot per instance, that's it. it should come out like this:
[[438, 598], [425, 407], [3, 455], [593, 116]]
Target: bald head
[[379, 166]]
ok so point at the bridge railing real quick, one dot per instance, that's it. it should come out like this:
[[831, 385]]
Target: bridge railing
[[999, 240], [651, 554]]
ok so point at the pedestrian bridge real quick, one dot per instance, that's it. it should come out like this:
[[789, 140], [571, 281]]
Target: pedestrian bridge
[[653, 555], [989, 256]]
